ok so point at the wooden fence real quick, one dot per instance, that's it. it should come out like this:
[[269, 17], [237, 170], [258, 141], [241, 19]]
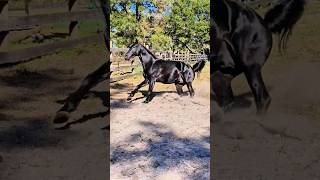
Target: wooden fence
[[13, 21], [124, 69]]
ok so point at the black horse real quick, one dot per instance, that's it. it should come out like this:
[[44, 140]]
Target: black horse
[[164, 71], [242, 41]]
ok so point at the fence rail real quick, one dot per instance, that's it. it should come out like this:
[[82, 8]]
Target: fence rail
[[47, 49], [71, 12], [28, 22], [123, 69]]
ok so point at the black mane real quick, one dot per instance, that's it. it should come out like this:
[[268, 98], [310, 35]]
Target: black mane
[[154, 56]]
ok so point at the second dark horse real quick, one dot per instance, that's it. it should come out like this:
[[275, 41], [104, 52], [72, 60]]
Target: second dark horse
[[164, 71], [242, 42]]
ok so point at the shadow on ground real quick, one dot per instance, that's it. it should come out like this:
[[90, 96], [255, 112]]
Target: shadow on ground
[[32, 133], [33, 79], [165, 150]]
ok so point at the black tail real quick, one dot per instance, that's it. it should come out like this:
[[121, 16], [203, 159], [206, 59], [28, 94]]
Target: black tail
[[282, 17], [197, 67]]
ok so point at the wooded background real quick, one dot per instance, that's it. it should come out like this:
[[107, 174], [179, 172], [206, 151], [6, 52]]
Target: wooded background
[[161, 24]]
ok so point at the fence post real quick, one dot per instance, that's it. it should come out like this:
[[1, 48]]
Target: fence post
[[4, 18]]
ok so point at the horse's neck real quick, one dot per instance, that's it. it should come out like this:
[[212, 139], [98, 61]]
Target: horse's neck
[[222, 14], [146, 60]]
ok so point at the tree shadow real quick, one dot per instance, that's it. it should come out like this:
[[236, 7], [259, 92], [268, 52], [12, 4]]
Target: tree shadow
[[165, 149], [86, 118], [119, 104], [33, 79], [35, 133], [119, 86], [13, 101], [159, 93], [104, 96], [135, 99]]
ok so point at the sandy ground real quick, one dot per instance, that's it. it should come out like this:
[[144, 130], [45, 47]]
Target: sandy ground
[[30, 148], [167, 138], [284, 144]]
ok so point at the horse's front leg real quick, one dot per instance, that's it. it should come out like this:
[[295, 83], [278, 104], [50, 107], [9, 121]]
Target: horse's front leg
[[151, 85], [258, 88], [135, 90], [179, 89], [223, 94]]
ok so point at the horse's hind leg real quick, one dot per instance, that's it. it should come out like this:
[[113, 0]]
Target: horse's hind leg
[[258, 88], [179, 89], [221, 85], [191, 91], [133, 92]]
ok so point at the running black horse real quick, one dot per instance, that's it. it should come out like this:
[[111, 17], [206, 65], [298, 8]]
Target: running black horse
[[164, 71], [242, 41]]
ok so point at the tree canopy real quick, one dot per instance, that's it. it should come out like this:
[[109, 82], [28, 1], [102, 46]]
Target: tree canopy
[[161, 24]]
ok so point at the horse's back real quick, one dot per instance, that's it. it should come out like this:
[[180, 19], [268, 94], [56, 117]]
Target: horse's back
[[244, 35], [167, 71]]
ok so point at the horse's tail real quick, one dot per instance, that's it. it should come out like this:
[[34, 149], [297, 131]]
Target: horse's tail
[[197, 67], [282, 17]]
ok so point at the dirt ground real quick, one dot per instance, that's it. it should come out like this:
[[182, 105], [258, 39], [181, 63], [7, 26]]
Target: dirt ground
[[30, 147], [168, 138], [284, 144]]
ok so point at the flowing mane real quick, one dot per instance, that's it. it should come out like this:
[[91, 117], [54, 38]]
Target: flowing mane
[[154, 56]]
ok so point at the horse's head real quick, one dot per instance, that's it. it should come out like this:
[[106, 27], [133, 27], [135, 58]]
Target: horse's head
[[134, 50]]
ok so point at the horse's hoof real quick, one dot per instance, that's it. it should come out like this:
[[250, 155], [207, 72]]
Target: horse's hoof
[[61, 120], [228, 107], [61, 117]]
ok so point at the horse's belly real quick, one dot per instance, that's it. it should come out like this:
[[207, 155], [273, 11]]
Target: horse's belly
[[170, 78]]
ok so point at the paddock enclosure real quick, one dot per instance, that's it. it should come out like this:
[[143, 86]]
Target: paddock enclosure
[[166, 138], [46, 51]]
